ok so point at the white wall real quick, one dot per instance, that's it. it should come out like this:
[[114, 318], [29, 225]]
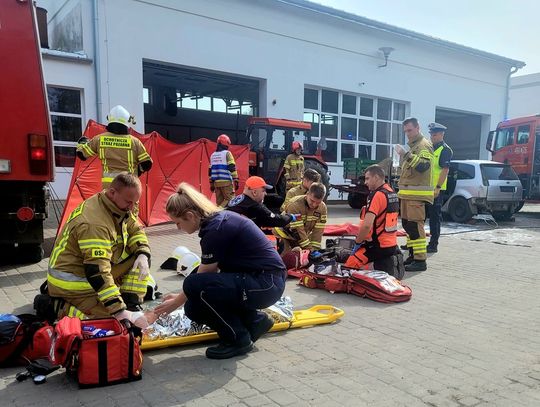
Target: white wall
[[289, 48], [524, 96]]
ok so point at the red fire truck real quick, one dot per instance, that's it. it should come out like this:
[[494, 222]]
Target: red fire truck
[[26, 155], [517, 142]]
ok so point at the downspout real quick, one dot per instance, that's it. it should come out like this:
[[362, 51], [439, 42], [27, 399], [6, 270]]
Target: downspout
[[507, 96], [97, 61]]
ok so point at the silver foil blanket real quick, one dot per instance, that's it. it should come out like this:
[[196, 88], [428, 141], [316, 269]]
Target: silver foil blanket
[[178, 324]]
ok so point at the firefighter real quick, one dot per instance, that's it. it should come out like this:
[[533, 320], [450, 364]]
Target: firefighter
[[294, 166], [240, 273], [117, 149], [250, 204], [415, 189], [222, 172], [442, 154], [310, 176], [99, 265], [307, 231], [377, 236]]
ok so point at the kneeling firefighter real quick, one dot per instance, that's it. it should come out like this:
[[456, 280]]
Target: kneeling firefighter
[[99, 265]]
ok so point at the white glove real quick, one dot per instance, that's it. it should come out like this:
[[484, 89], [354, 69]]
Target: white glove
[[401, 150], [136, 318], [141, 262]]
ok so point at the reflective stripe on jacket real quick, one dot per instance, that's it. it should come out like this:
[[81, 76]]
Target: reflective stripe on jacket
[[415, 184], [294, 168], [220, 172]]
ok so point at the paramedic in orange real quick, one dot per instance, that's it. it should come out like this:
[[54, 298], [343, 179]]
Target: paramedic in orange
[[377, 237], [118, 150]]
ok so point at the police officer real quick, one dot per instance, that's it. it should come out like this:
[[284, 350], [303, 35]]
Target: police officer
[[294, 166], [307, 231], [117, 149], [442, 155], [222, 172], [251, 274], [377, 236], [99, 265], [250, 204], [310, 176], [415, 189]]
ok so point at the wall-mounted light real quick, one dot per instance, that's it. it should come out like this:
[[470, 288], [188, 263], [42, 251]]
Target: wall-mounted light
[[386, 51]]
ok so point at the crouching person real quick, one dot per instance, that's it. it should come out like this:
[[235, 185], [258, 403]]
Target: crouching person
[[377, 236], [240, 273], [99, 265]]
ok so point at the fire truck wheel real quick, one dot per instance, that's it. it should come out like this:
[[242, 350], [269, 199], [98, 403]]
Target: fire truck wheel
[[31, 253], [459, 210]]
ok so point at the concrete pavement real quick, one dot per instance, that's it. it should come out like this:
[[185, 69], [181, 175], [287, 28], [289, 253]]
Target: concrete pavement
[[470, 336]]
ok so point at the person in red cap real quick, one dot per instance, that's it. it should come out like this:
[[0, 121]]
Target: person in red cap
[[222, 172], [250, 204]]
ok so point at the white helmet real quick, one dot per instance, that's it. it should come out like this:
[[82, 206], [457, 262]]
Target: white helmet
[[119, 114], [179, 252], [187, 263]]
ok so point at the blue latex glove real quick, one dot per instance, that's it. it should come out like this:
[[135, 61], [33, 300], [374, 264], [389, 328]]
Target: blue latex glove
[[316, 254], [295, 217], [356, 247]]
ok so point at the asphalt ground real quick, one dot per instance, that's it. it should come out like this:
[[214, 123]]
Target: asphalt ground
[[470, 336]]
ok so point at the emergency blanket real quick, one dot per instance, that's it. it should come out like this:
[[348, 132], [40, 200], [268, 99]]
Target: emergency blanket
[[173, 164], [348, 229], [373, 284], [283, 320]]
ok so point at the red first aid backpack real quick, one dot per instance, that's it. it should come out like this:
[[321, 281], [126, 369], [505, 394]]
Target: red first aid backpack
[[99, 361], [24, 338]]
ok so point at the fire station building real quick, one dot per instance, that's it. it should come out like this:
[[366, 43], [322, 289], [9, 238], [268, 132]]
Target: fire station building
[[190, 69]]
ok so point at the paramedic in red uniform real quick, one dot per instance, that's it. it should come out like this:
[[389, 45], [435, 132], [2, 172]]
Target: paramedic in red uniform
[[377, 237]]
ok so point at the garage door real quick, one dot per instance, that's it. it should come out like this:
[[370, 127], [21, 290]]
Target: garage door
[[463, 133]]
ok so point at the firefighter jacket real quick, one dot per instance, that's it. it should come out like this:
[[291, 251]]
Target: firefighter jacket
[[415, 181], [291, 193], [307, 230], [96, 236], [384, 204], [257, 212], [117, 153], [294, 169], [222, 170]]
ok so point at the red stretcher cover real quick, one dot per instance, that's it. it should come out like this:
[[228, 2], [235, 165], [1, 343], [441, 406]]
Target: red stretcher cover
[[349, 229], [173, 163]]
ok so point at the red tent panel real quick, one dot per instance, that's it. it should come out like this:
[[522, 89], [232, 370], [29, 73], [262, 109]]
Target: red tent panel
[[173, 164]]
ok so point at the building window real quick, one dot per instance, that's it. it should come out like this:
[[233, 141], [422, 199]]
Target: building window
[[354, 125], [66, 121]]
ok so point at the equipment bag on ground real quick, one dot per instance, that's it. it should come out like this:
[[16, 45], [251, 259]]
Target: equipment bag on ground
[[100, 352], [23, 338]]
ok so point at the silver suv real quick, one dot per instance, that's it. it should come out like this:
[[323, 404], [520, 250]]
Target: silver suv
[[479, 186]]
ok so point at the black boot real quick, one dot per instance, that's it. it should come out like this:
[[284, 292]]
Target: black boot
[[262, 325], [227, 350], [132, 301], [408, 260], [416, 265], [431, 248]]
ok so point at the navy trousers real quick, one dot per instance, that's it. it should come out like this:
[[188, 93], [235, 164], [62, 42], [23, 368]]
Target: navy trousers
[[435, 218], [228, 302]]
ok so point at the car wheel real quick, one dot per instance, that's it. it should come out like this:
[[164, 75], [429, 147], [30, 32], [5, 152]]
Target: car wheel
[[356, 201], [30, 253], [459, 210]]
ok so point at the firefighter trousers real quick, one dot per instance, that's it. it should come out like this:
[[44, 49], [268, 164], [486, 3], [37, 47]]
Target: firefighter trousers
[[224, 193], [413, 215], [228, 302], [87, 305]]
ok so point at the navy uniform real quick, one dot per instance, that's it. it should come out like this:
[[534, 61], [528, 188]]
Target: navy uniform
[[442, 155], [252, 277], [258, 212]]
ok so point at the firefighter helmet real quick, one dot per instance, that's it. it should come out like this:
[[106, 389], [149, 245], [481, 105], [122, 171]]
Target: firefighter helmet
[[187, 263], [119, 114], [224, 139], [179, 252], [296, 145]]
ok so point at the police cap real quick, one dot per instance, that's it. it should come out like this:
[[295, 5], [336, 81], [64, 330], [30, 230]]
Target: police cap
[[436, 127]]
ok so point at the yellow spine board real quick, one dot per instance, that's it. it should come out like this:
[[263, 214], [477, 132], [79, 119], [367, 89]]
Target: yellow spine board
[[316, 315]]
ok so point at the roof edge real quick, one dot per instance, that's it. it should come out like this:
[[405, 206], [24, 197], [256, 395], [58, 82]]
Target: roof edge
[[332, 12]]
